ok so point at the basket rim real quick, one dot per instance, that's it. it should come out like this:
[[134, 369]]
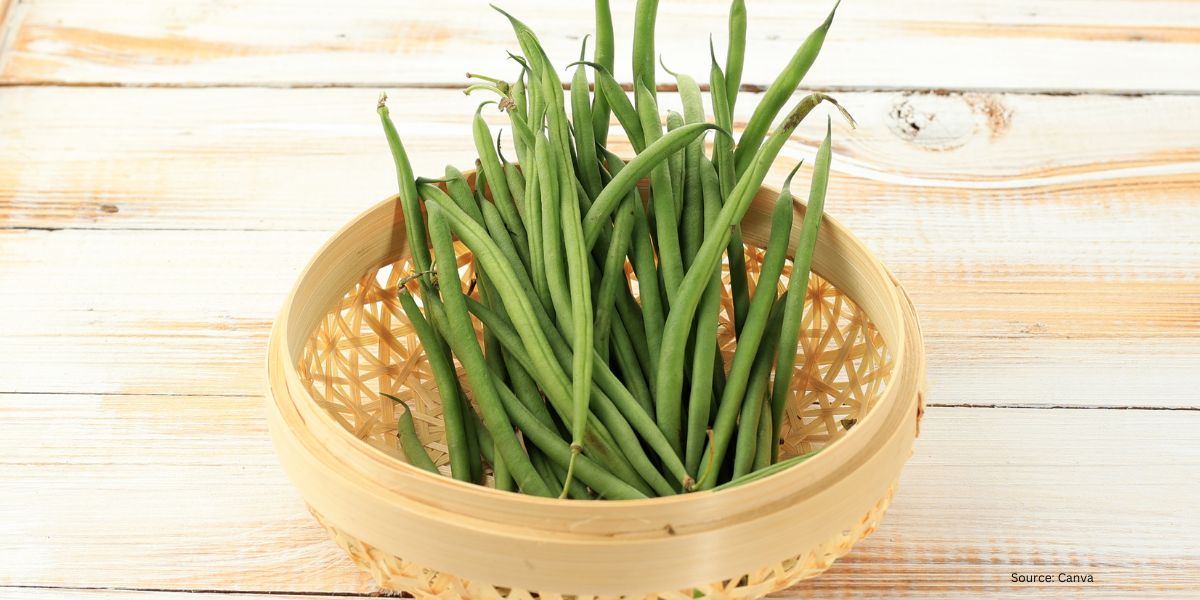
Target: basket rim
[[897, 300]]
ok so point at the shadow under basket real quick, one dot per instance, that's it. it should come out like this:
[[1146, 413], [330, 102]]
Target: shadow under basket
[[341, 339]]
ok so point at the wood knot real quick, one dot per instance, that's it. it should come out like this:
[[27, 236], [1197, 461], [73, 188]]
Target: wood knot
[[941, 121]]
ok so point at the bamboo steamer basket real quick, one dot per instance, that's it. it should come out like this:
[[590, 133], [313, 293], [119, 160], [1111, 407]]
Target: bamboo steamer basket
[[341, 338]]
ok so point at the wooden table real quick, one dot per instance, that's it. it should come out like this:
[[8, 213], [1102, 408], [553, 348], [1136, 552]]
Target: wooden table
[[1030, 170]]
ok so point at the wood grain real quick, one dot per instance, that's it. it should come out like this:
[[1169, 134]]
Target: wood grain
[[148, 237], [190, 487], [975, 44], [1028, 261]]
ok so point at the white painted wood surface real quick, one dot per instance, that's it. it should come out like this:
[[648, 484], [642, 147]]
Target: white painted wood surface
[[147, 237], [1078, 45]]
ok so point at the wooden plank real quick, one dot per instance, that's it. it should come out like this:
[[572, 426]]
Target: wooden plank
[[1036, 266], [975, 164], [183, 493], [154, 492], [190, 311], [974, 44]]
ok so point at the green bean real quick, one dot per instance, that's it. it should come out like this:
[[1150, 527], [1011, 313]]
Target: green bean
[[604, 55], [447, 382], [522, 135], [516, 185], [491, 167], [630, 365], [675, 166], [692, 223], [414, 224], [739, 287], [765, 445], [581, 307], [406, 431], [643, 47], [778, 93], [495, 226], [503, 479], [614, 95], [669, 383], [752, 335], [585, 136], [613, 273], [627, 179], [798, 288], [535, 61], [539, 359], [479, 441], [735, 55], [520, 104], [542, 465], [466, 347], [641, 255], [607, 394], [693, 112], [549, 442], [526, 390], [547, 189], [748, 429], [460, 192], [553, 257], [632, 319], [662, 200], [750, 424], [782, 465], [575, 489], [705, 356]]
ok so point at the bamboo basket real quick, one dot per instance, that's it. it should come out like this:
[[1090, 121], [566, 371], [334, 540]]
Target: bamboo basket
[[341, 338]]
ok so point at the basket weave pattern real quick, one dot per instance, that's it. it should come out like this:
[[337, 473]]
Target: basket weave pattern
[[365, 345]]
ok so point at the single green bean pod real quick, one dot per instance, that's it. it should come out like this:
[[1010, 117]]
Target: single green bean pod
[[406, 431], [798, 288]]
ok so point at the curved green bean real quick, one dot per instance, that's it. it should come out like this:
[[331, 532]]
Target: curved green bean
[[585, 136], [704, 354], [542, 361], [735, 55], [739, 287], [447, 382], [497, 183], [548, 441], [778, 93], [633, 171], [613, 273], [603, 55], [749, 427], [618, 102], [464, 344], [798, 288], [414, 223], [747, 351], [643, 45], [406, 432], [669, 382], [607, 391]]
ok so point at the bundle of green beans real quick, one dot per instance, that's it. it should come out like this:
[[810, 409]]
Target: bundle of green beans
[[587, 384]]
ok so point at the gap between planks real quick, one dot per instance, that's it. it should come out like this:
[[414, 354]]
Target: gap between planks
[[628, 87]]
